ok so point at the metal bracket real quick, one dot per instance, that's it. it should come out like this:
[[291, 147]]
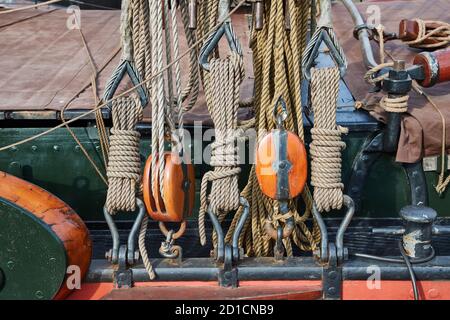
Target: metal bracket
[[125, 67], [123, 277], [213, 40], [226, 253], [332, 276], [333, 254], [322, 35], [124, 255]]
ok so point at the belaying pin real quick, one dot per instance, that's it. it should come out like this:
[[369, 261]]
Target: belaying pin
[[287, 16], [192, 9], [259, 14]]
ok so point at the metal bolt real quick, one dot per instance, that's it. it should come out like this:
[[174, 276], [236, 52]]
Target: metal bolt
[[399, 65], [77, 148], [433, 294], [56, 148], [14, 149], [108, 255], [10, 265], [34, 148], [136, 255], [332, 274], [39, 294], [316, 252], [332, 290]]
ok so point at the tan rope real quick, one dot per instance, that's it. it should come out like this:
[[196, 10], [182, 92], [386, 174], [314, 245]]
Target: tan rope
[[143, 250], [396, 105], [431, 30], [46, 3], [124, 165], [326, 146], [222, 89], [443, 181], [276, 60]]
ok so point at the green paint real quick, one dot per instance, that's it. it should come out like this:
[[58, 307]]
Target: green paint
[[55, 163], [32, 257]]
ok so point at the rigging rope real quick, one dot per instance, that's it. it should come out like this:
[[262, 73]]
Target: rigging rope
[[326, 145], [222, 91], [277, 69], [434, 31]]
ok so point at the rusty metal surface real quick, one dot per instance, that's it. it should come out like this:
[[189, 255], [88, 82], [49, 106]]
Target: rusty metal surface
[[206, 292]]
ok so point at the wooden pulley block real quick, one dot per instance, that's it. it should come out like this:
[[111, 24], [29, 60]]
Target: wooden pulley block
[[409, 31], [281, 163], [177, 202], [436, 66]]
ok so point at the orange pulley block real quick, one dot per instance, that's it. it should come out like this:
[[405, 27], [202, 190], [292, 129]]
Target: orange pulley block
[[281, 170], [281, 162], [177, 202]]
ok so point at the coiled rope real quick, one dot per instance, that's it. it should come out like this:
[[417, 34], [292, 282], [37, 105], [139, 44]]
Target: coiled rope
[[437, 31], [222, 91], [326, 146]]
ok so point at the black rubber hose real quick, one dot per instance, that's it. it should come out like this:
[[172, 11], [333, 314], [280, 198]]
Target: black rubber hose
[[410, 270], [406, 260]]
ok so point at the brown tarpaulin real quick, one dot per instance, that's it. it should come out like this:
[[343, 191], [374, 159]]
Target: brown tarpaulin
[[43, 63], [421, 133]]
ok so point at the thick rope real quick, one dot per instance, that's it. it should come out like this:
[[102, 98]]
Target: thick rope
[[222, 89], [124, 165], [395, 105], [143, 250], [277, 69], [431, 30], [326, 146]]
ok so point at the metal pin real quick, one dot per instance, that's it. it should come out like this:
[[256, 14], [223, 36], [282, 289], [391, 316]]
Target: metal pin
[[287, 16], [192, 8], [259, 14]]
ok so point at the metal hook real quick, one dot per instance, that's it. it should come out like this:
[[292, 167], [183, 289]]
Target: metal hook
[[213, 40], [220, 253], [113, 254], [280, 115], [322, 35], [324, 245], [239, 227], [128, 67]]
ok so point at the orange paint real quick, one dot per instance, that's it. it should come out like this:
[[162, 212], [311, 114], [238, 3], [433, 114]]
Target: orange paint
[[170, 206], [61, 218], [352, 290], [296, 155]]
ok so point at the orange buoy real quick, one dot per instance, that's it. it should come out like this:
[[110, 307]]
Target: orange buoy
[[281, 165], [177, 202]]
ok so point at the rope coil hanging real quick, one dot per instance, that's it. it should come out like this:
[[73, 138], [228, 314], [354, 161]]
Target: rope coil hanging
[[222, 91], [326, 145], [124, 165]]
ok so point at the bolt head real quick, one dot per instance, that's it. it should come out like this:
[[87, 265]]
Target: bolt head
[[108, 255]]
